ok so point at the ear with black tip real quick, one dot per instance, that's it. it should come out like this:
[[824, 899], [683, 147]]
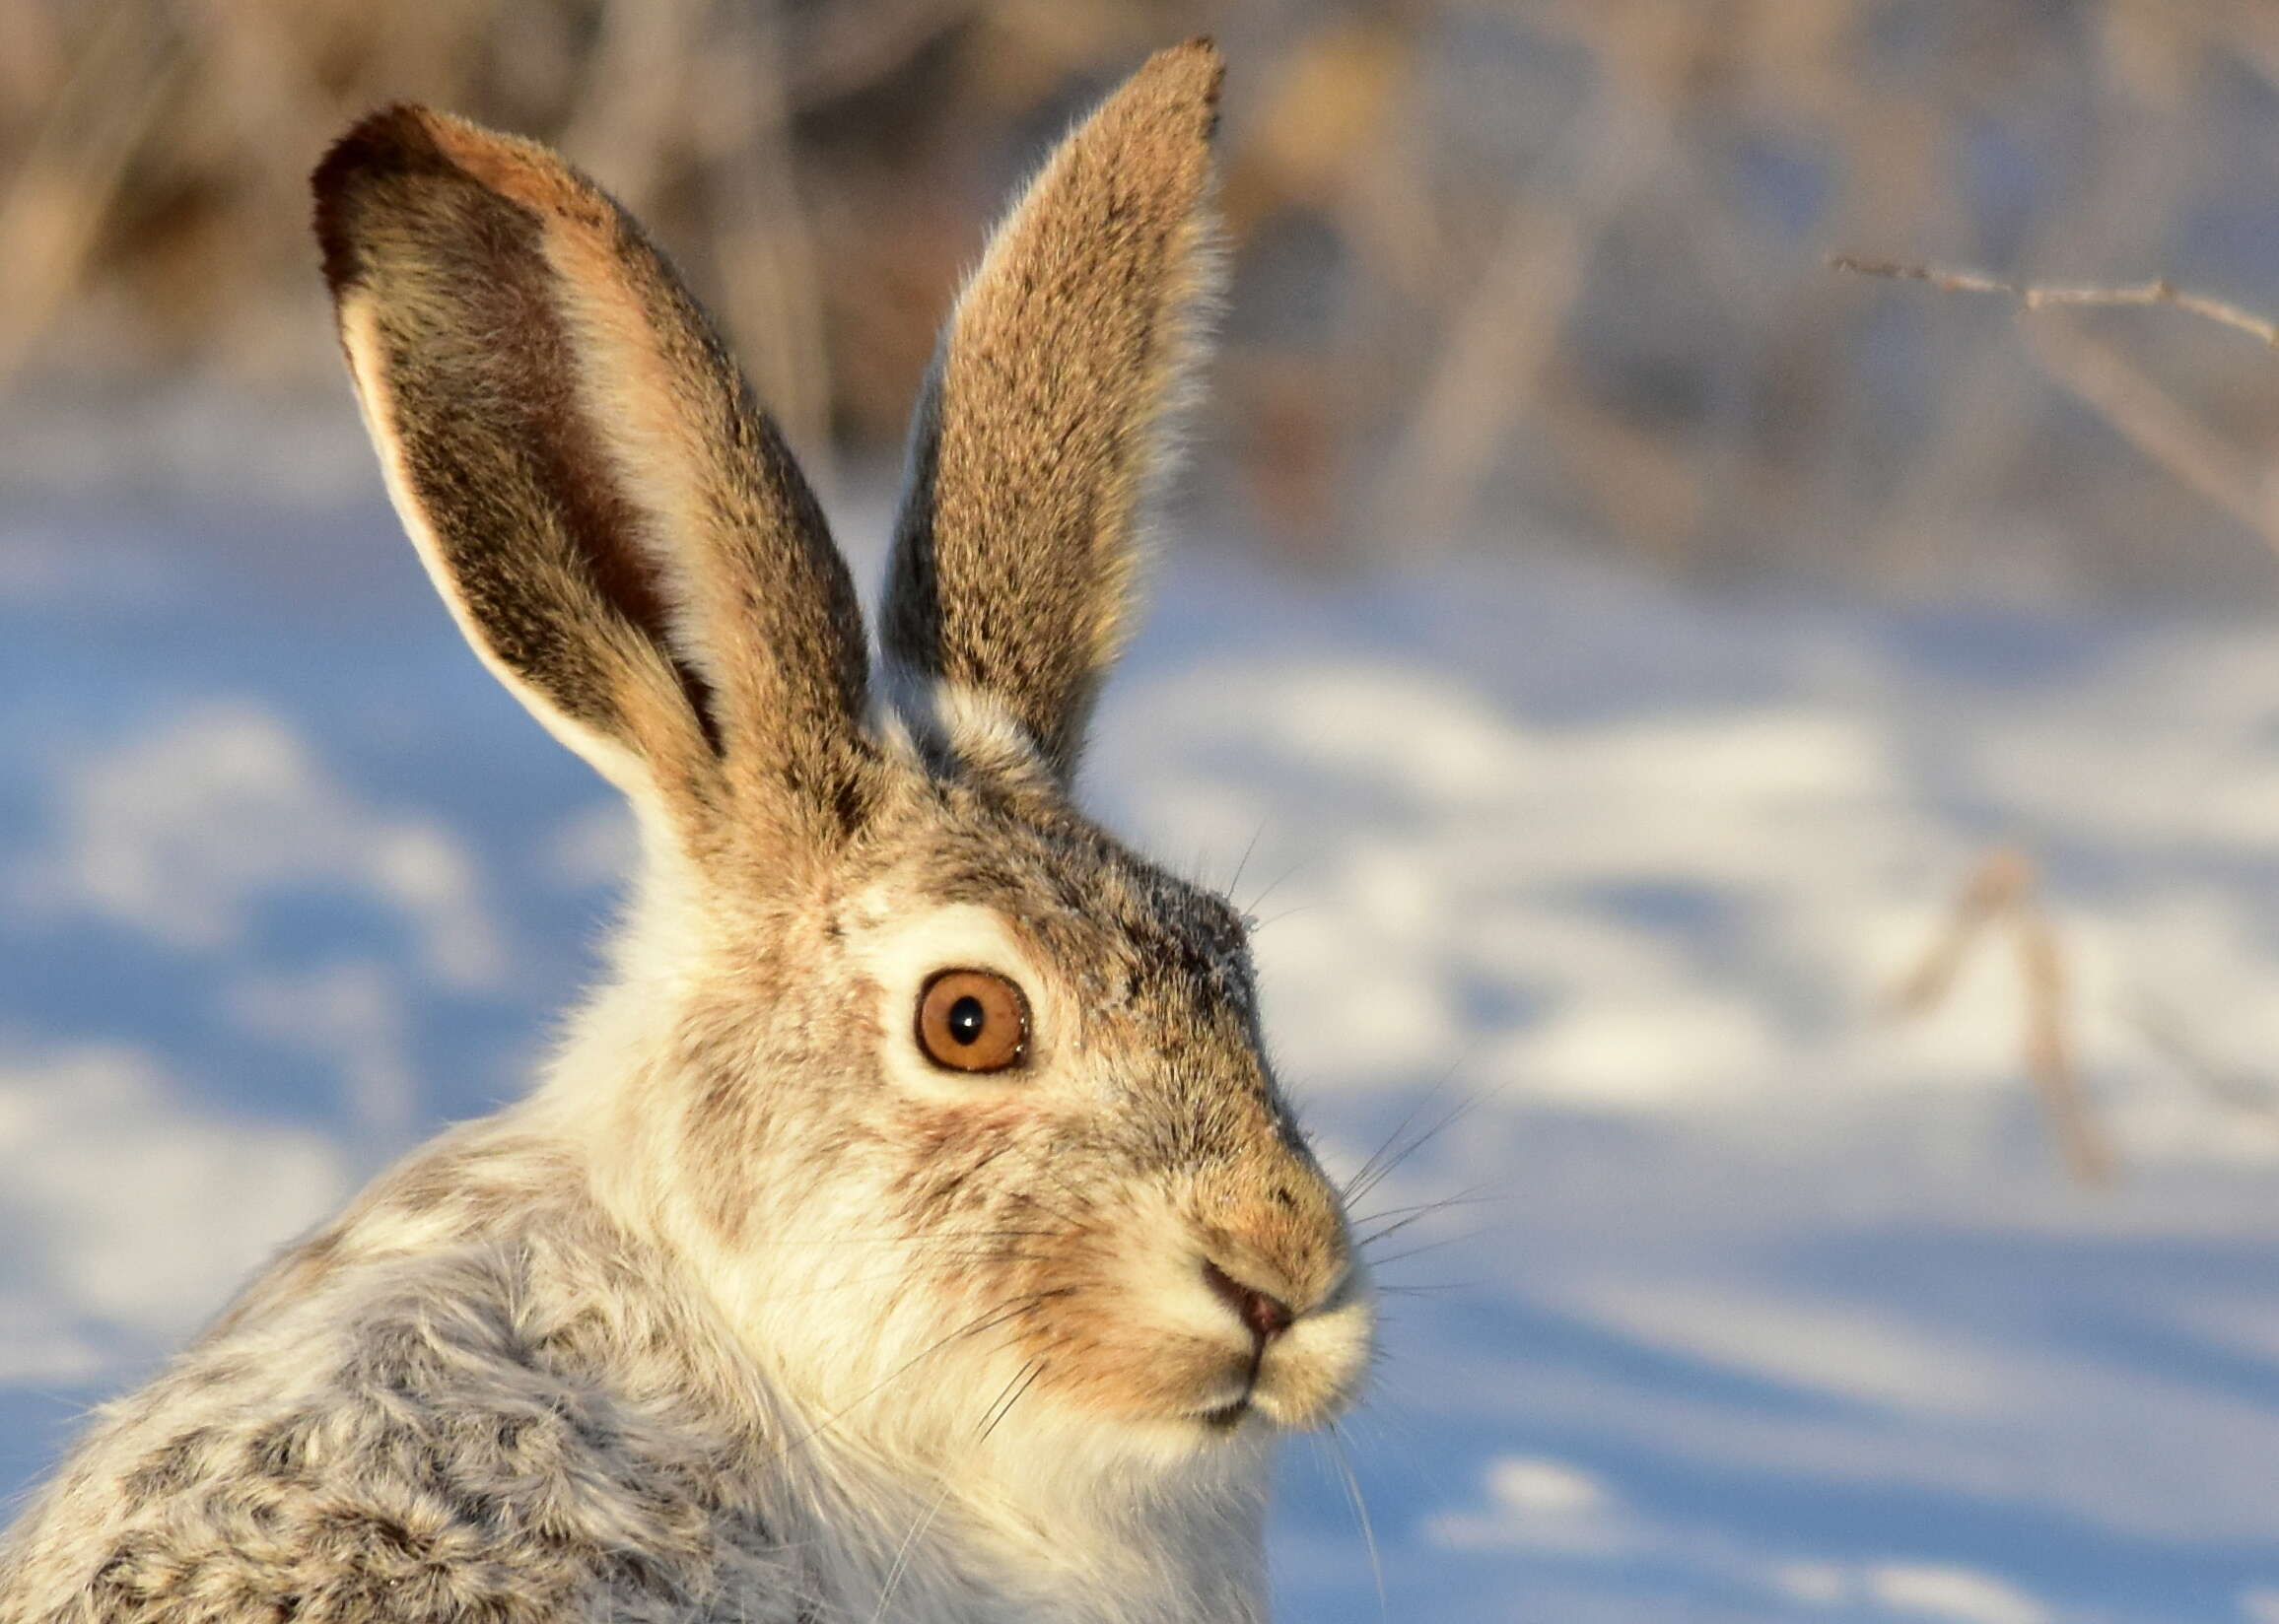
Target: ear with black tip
[[618, 529], [1038, 434]]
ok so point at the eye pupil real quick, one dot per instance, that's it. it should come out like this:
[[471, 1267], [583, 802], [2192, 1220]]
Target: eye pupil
[[973, 1020]]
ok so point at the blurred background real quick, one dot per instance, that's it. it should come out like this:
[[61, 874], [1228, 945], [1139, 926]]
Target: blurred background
[[1554, 257], [1759, 786]]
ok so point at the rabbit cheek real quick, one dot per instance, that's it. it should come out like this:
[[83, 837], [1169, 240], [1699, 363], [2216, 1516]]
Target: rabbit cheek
[[945, 1154]]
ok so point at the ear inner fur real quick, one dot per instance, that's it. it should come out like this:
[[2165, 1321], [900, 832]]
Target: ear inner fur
[[767, 609], [603, 495], [614, 700], [1033, 444]]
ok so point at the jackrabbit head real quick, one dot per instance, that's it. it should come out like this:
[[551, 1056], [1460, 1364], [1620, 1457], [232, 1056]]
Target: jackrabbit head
[[926, 1078]]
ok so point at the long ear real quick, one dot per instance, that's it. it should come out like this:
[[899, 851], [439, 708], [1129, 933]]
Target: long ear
[[618, 529], [1036, 435]]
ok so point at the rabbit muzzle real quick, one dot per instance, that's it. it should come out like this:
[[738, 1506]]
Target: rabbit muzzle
[[1290, 1299]]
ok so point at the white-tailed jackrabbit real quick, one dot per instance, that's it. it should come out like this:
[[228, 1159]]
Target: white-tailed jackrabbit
[[910, 1229]]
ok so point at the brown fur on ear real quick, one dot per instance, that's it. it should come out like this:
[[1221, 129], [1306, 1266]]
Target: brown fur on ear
[[1035, 439], [620, 531]]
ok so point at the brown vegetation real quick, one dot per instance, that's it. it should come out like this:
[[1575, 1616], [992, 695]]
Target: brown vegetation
[[1559, 257], [2001, 895]]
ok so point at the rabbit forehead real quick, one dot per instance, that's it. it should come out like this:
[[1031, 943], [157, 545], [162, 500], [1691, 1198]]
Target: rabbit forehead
[[1061, 896]]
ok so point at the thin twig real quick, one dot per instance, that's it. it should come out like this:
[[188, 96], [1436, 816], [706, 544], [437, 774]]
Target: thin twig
[[2125, 397], [2045, 295]]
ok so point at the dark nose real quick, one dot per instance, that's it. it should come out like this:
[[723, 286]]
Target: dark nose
[[1267, 1316]]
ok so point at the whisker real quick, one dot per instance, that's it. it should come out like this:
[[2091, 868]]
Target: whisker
[[1425, 1210], [1384, 1167], [1419, 1249], [1470, 1192], [909, 1240], [1252, 906], [887, 1276], [988, 1319], [1243, 861], [1430, 1289], [1004, 1393], [1336, 1439], [1035, 1368], [1360, 1184], [909, 1542]]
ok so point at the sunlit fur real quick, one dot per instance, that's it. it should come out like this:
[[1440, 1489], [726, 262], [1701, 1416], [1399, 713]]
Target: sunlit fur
[[750, 1312]]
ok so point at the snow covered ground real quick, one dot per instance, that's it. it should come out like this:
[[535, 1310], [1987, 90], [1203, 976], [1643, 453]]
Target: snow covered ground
[[1772, 1306]]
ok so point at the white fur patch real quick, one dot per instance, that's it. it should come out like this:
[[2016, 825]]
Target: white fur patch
[[968, 722]]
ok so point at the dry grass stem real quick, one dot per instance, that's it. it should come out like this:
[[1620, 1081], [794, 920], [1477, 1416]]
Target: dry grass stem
[[2002, 892], [52, 215], [1499, 337], [2149, 419], [2165, 1032]]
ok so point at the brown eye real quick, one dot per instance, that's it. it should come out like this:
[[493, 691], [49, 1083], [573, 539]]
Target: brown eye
[[972, 1020]]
